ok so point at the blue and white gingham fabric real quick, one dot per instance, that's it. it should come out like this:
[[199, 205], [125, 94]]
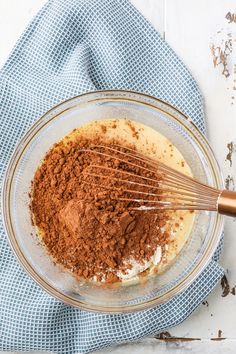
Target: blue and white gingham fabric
[[74, 46]]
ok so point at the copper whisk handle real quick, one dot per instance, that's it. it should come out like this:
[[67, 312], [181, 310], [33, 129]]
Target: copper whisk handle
[[227, 203]]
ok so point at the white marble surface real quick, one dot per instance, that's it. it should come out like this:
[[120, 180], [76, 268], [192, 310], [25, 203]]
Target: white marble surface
[[190, 27]]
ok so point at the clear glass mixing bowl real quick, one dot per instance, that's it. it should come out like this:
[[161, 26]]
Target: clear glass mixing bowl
[[53, 126]]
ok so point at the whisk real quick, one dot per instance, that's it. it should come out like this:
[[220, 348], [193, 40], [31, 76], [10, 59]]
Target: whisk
[[159, 188]]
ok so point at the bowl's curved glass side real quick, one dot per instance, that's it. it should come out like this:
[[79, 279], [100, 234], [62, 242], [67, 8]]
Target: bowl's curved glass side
[[54, 126]]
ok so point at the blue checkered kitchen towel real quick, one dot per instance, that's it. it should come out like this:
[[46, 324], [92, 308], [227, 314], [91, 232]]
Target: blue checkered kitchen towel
[[70, 47]]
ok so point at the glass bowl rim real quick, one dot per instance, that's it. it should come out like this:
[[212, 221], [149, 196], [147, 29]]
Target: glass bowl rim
[[22, 145]]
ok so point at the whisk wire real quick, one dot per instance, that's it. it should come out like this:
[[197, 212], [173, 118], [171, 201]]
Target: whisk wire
[[145, 185], [175, 190], [161, 167]]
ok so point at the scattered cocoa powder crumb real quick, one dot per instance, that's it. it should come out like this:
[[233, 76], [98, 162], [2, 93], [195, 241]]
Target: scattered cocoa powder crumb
[[103, 128], [83, 225], [182, 163], [133, 129]]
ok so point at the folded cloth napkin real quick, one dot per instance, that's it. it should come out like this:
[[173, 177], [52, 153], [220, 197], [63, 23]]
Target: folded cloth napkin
[[70, 47]]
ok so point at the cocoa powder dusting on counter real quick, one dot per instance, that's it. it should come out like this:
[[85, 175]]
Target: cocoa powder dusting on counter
[[84, 226]]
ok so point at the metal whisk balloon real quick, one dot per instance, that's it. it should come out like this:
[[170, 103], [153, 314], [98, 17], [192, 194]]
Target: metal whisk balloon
[[150, 185]]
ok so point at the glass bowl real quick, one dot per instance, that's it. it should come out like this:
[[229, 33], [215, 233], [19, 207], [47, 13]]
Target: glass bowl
[[53, 126]]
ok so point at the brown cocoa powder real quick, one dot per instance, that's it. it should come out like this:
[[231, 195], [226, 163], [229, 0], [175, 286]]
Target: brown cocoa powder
[[83, 225]]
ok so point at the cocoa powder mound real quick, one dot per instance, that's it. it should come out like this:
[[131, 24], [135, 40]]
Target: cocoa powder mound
[[87, 223]]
